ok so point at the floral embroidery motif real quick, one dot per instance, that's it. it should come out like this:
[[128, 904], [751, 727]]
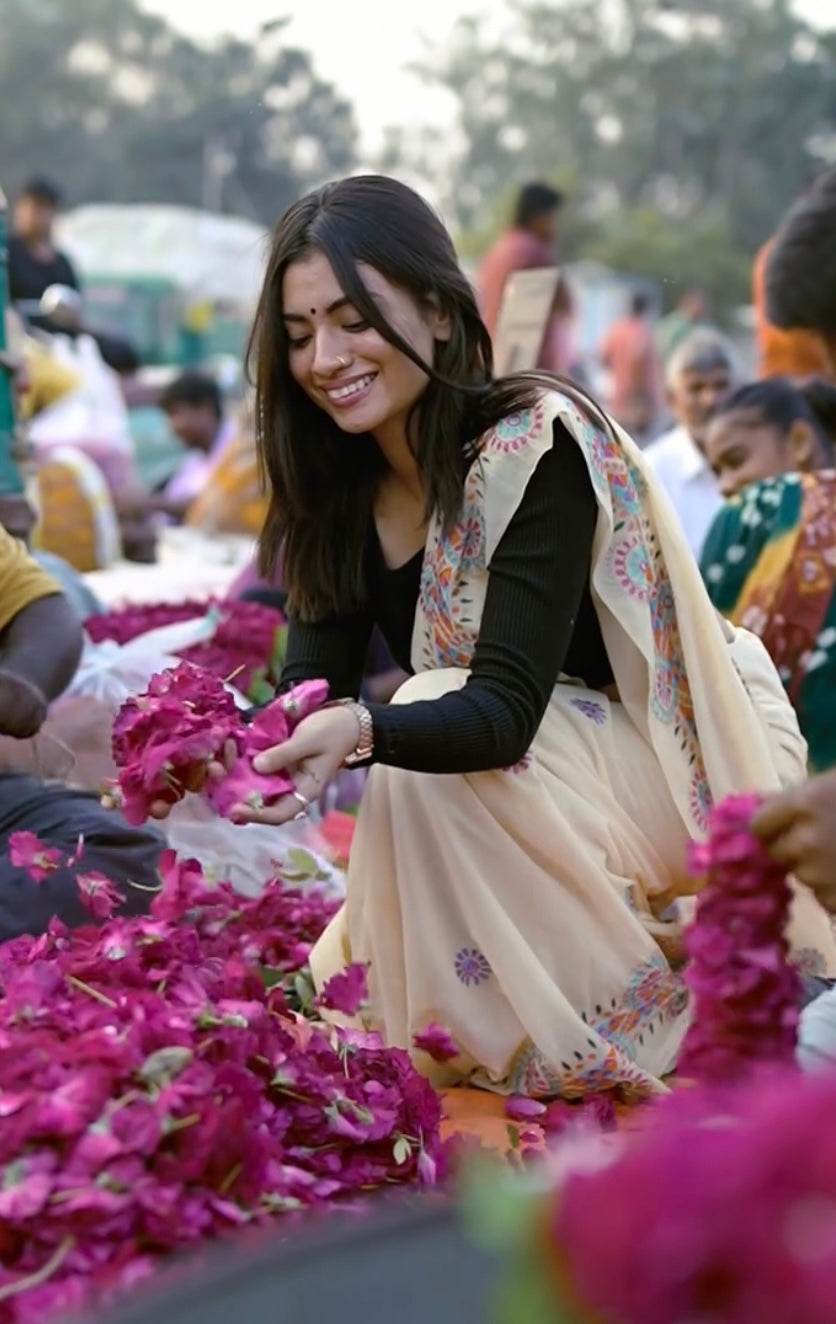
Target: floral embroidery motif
[[632, 567], [600, 1067], [511, 435], [592, 709], [638, 569], [471, 967], [452, 581], [654, 995], [701, 800]]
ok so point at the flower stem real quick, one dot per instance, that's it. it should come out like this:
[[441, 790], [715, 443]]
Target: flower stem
[[42, 1275], [92, 992], [231, 1178]]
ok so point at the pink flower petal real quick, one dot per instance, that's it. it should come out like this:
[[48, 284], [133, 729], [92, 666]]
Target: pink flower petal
[[438, 1042]]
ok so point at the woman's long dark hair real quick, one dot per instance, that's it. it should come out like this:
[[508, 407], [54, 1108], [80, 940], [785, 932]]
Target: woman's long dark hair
[[321, 481]]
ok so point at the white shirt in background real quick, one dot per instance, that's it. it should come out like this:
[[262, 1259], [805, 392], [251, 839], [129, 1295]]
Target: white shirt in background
[[684, 473]]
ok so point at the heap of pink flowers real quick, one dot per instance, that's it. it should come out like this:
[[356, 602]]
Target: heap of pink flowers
[[746, 993], [724, 1210], [159, 1085], [166, 739], [123, 624], [246, 644]]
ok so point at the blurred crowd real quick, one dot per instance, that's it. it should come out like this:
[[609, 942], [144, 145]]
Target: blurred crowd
[[747, 460]]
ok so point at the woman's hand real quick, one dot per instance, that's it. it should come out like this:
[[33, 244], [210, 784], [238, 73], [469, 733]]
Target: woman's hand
[[798, 829], [312, 756]]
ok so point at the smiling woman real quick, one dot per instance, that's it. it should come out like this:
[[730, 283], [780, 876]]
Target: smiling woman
[[770, 557], [523, 830]]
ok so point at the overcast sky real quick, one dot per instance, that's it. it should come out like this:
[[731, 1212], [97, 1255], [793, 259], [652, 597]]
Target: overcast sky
[[363, 46]]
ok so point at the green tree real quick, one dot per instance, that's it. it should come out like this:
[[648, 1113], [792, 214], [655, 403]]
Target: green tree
[[678, 119], [114, 103]]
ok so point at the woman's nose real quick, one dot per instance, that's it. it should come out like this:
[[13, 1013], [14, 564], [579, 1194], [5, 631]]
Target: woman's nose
[[327, 356]]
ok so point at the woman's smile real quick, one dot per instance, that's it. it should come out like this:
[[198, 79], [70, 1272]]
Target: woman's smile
[[349, 392]]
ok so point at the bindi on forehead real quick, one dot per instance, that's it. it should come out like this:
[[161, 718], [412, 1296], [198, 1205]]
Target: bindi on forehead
[[313, 312]]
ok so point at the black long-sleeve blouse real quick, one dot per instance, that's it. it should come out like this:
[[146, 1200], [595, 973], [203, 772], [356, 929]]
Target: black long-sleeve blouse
[[538, 621]]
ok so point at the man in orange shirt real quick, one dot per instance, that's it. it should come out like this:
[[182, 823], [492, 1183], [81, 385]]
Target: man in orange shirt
[[530, 243]]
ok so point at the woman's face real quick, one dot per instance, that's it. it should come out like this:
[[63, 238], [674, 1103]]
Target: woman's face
[[346, 367], [742, 448]]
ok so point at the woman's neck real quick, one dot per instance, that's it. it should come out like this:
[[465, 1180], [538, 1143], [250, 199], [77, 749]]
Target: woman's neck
[[403, 467]]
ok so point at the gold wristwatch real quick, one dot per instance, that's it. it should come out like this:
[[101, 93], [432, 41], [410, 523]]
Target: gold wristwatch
[[364, 748]]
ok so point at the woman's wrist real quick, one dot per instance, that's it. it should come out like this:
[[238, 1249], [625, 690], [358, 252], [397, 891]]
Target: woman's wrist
[[363, 748]]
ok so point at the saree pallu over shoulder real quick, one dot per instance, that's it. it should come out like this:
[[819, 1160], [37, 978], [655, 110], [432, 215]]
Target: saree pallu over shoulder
[[666, 645], [525, 908]]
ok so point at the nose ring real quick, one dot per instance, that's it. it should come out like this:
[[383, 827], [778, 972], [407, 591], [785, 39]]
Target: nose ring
[[343, 363]]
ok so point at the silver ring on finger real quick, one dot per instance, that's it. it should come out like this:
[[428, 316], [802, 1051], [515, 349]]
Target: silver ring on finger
[[304, 805]]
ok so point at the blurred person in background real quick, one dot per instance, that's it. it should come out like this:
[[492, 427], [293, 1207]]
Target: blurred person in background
[[628, 352], [799, 826], [700, 373], [18, 518], [783, 351], [770, 558], [683, 319], [800, 273], [40, 644], [195, 408], [528, 243], [35, 262], [233, 499]]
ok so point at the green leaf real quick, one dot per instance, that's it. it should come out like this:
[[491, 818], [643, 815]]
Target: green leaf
[[164, 1064], [270, 977], [304, 990], [260, 690], [402, 1151], [301, 862]]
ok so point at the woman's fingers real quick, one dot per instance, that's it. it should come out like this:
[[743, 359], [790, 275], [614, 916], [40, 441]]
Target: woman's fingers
[[310, 779], [282, 756], [283, 811]]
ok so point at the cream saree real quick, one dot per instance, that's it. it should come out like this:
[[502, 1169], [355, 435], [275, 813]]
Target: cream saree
[[526, 908]]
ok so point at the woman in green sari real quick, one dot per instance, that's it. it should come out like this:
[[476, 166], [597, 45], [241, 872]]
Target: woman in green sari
[[769, 561]]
